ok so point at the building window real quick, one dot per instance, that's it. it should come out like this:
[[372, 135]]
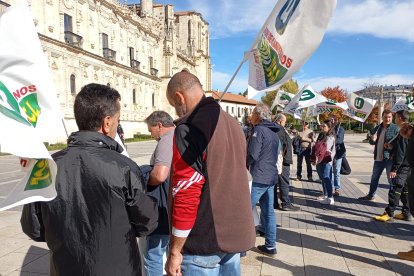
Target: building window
[[104, 40], [134, 99], [108, 84], [232, 110], [72, 84], [67, 23], [153, 99], [131, 53], [227, 109]]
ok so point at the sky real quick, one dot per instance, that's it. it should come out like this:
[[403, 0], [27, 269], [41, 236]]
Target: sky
[[367, 42]]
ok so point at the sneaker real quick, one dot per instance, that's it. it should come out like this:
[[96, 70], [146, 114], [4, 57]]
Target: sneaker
[[384, 217], [336, 193], [290, 207], [328, 201], [263, 249], [322, 197], [408, 256], [367, 198], [401, 216]]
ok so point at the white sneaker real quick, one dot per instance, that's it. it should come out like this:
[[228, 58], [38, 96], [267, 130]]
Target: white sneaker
[[328, 201]]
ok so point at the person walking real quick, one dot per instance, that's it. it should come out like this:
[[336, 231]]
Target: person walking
[[161, 126], [400, 171], [380, 135], [340, 151], [211, 216], [285, 162], [322, 155], [92, 225], [306, 137]]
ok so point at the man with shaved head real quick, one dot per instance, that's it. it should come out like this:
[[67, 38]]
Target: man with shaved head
[[211, 216]]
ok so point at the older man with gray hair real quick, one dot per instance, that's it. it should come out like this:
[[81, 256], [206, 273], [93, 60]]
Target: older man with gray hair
[[284, 161], [261, 158]]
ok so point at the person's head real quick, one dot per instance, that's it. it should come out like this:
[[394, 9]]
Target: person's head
[[260, 112], [280, 119], [406, 131], [184, 92], [327, 127], [386, 117], [401, 117], [159, 122], [97, 108]]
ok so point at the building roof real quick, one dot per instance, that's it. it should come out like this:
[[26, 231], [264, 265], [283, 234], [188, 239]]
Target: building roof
[[234, 98]]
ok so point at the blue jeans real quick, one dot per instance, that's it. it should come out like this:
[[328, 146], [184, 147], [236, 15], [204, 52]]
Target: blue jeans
[[153, 255], [220, 263], [304, 153], [336, 168], [264, 194], [377, 170], [325, 173]]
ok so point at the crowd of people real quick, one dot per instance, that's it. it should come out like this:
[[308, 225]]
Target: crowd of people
[[192, 202]]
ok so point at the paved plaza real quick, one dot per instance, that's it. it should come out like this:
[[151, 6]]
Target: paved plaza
[[318, 240]]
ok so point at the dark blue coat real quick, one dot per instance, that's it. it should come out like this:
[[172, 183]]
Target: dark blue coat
[[262, 153]]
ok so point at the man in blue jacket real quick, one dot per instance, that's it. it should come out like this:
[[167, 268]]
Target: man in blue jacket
[[262, 155], [339, 155]]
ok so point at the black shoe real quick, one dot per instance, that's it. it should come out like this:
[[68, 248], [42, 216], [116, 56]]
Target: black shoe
[[263, 249], [260, 233], [290, 207], [276, 206], [367, 198]]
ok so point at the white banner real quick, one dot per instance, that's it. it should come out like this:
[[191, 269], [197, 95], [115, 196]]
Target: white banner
[[359, 108], [290, 35], [29, 109], [282, 99], [305, 98], [404, 103]]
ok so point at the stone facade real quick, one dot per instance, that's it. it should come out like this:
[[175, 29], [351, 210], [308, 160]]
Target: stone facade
[[133, 48]]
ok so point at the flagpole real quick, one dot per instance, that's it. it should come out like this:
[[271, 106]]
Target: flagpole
[[64, 126], [244, 59]]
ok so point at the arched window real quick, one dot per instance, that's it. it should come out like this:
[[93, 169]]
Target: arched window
[[72, 84], [153, 99], [134, 99]]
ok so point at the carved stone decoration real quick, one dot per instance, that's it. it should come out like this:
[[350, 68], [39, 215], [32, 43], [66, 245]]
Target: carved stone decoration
[[35, 21], [68, 4], [91, 22], [93, 46], [49, 2], [54, 66], [51, 28]]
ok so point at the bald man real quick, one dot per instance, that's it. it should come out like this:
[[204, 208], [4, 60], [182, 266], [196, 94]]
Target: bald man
[[211, 215]]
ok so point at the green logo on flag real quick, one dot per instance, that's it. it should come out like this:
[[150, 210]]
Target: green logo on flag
[[331, 102], [306, 95], [28, 104], [408, 100], [9, 106], [359, 102], [40, 177], [284, 15], [273, 69], [285, 97]]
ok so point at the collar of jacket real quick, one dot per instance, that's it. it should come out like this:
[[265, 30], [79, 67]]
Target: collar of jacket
[[204, 101], [93, 139]]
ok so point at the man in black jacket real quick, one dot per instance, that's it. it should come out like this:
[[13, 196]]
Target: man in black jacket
[[286, 161], [400, 171], [101, 206]]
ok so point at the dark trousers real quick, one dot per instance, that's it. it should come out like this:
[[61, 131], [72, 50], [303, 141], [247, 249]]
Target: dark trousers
[[399, 192], [304, 153], [283, 185], [410, 188]]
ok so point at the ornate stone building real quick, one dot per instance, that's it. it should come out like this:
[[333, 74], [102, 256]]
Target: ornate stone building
[[134, 48]]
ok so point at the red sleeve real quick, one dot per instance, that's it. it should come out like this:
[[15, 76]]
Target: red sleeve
[[187, 181]]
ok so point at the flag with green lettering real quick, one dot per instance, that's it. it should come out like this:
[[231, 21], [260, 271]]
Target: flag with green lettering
[[29, 109], [359, 107], [305, 98]]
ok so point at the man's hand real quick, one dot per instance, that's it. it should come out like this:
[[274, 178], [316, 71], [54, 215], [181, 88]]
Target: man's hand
[[374, 137], [392, 174], [387, 146], [173, 264]]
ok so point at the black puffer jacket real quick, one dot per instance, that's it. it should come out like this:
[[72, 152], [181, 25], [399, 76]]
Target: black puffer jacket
[[100, 209]]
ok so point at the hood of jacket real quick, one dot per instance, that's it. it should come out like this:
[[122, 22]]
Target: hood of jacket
[[93, 139], [270, 125]]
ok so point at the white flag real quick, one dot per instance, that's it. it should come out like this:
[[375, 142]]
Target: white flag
[[305, 98], [404, 103], [359, 108], [329, 106], [29, 109], [282, 99], [288, 38]]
